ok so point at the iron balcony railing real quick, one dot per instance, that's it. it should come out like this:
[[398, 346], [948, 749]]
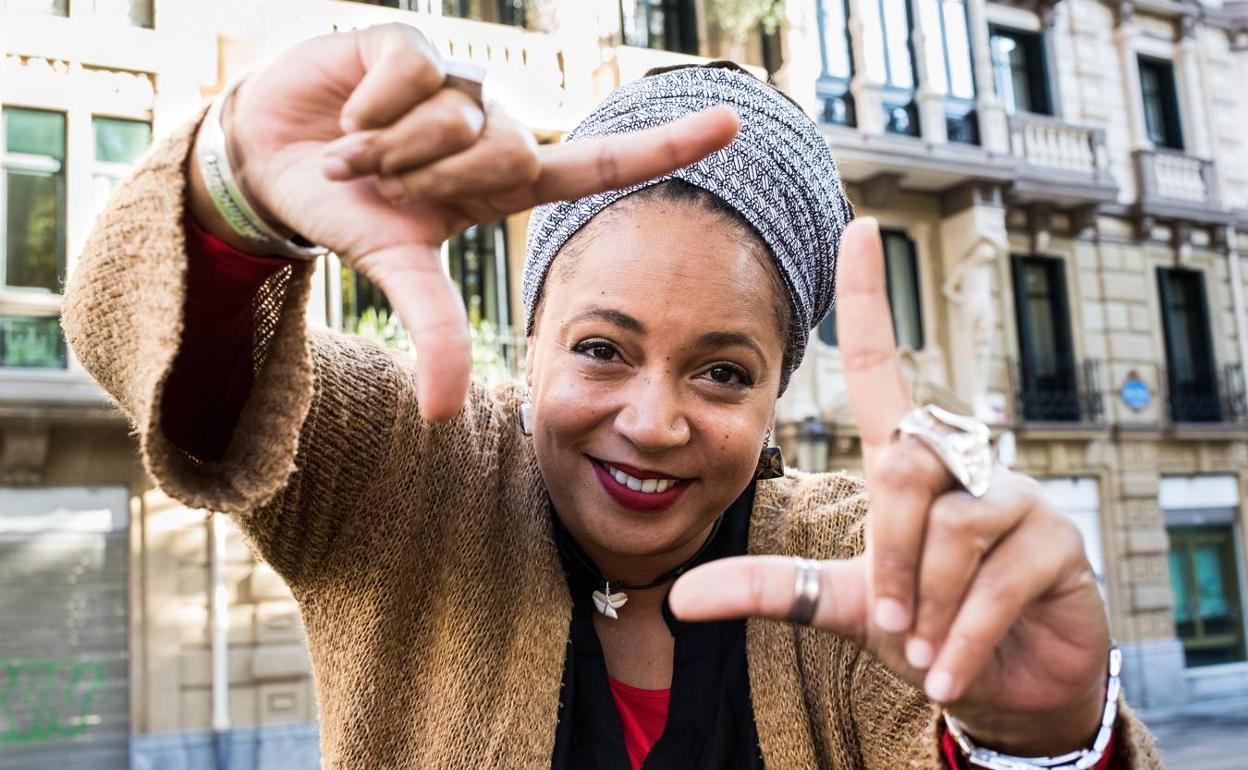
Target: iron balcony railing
[[1218, 400], [1059, 391]]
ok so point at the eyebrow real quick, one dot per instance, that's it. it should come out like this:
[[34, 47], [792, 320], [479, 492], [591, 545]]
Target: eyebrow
[[620, 319], [727, 339]]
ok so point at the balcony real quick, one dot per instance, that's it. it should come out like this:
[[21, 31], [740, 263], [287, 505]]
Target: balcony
[[1174, 185], [1059, 163], [1220, 402], [525, 70], [1067, 393]]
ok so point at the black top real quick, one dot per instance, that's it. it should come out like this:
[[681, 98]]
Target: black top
[[710, 720]]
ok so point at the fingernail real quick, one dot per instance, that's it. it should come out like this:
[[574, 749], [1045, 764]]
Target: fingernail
[[891, 616], [939, 686], [391, 187], [919, 653], [335, 168]]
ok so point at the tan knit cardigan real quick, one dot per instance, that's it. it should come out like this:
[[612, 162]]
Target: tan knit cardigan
[[421, 555]]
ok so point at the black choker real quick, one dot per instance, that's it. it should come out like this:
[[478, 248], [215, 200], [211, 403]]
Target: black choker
[[607, 601]]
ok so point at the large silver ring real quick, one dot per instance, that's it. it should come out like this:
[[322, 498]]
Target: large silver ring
[[467, 78], [805, 592], [963, 444]]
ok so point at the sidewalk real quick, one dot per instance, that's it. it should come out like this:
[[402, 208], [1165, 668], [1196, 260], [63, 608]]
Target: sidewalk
[[1212, 735]]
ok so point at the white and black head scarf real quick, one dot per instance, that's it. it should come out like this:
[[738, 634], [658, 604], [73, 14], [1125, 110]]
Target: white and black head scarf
[[778, 174]]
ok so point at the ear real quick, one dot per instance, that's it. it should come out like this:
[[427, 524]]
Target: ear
[[529, 348]]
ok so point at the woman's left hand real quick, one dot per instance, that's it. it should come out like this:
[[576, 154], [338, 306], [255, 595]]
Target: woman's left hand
[[989, 604]]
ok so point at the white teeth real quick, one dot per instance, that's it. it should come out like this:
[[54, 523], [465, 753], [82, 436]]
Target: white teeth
[[647, 486]]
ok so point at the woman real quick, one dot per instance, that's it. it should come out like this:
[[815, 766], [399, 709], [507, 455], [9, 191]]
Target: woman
[[487, 578]]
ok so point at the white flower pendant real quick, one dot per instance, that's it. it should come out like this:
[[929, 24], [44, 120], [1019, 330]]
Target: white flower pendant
[[607, 604]]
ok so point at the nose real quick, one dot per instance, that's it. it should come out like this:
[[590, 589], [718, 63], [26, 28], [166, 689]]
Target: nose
[[652, 419]]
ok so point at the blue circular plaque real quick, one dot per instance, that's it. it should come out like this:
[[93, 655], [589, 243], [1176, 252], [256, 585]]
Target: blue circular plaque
[[1136, 394]]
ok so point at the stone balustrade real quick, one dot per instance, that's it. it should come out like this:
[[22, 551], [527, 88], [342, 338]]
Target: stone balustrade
[[1049, 143], [524, 70], [1173, 184]]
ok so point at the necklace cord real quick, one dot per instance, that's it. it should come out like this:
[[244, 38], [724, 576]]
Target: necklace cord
[[567, 545]]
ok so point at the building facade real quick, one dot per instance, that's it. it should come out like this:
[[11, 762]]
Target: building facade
[[1064, 192]]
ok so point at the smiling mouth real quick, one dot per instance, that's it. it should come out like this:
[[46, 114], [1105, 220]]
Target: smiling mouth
[[637, 489]]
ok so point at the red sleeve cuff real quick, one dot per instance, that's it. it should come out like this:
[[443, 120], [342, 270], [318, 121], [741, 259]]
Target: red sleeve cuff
[[954, 759], [212, 374]]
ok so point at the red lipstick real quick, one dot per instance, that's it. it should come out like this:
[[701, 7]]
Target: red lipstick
[[646, 502]]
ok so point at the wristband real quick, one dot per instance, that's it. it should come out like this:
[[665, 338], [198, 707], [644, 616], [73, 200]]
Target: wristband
[[212, 155], [1081, 759]]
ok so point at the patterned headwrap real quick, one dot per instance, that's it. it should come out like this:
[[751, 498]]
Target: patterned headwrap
[[778, 174]]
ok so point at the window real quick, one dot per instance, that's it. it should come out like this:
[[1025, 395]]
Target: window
[[118, 144], [511, 12], [1019, 71], [136, 13], [51, 7], [32, 341], [948, 55], [1207, 612], [1048, 387], [34, 199], [832, 87], [888, 60], [667, 24], [1190, 368], [901, 270], [1161, 103], [477, 260]]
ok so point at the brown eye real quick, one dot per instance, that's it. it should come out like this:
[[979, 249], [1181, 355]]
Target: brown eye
[[725, 374], [597, 350]]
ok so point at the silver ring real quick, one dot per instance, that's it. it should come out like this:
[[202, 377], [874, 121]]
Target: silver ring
[[963, 444], [805, 592], [467, 78]]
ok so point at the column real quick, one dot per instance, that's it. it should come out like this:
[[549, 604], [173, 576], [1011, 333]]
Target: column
[[994, 132], [1124, 40], [1187, 64], [865, 88], [930, 102]]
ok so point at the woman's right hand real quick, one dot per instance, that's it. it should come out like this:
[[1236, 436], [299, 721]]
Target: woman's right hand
[[351, 141]]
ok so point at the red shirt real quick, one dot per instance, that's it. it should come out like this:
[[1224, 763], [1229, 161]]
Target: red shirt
[[209, 384]]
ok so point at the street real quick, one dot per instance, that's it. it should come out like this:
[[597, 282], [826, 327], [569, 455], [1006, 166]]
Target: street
[[1208, 736]]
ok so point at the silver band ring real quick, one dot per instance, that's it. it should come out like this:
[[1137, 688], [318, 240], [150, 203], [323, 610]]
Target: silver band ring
[[805, 592]]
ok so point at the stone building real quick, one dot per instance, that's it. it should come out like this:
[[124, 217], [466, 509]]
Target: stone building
[[1065, 196]]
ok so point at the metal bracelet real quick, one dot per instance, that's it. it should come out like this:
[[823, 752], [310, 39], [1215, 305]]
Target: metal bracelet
[[212, 154], [1082, 759]]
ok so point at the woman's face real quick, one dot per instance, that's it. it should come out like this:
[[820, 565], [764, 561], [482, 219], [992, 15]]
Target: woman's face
[[655, 363]]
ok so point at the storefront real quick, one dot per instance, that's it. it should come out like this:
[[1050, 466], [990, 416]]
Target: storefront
[[64, 617]]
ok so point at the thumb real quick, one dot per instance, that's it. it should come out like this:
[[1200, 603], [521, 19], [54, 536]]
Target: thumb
[[432, 311], [763, 587]]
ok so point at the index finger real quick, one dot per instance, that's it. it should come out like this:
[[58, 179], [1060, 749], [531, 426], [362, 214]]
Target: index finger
[[577, 169], [878, 393]]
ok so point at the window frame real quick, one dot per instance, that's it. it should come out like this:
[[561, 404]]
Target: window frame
[[1036, 61], [33, 163], [826, 328], [961, 121], [1169, 134], [684, 39], [1188, 402], [1047, 393], [1183, 541], [833, 90]]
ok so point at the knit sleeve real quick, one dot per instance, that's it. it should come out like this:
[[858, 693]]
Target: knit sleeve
[[898, 727], [320, 414]]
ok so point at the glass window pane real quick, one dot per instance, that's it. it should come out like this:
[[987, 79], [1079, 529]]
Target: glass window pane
[[958, 50], [31, 342], [52, 7], [836, 61], [903, 290], [34, 132], [137, 13], [1182, 602], [897, 43], [35, 229], [120, 141], [1210, 574]]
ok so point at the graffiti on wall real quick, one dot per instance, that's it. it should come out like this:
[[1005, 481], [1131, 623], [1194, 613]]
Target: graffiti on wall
[[46, 700]]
